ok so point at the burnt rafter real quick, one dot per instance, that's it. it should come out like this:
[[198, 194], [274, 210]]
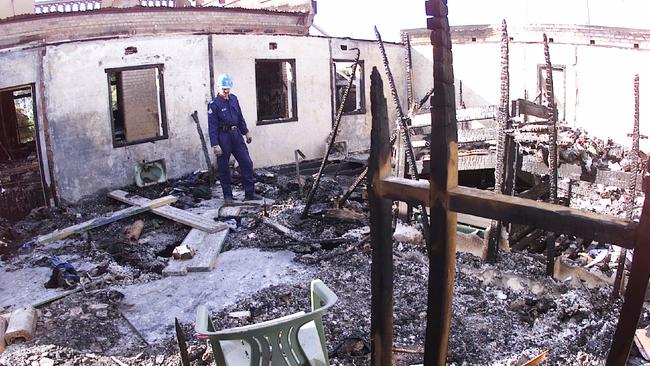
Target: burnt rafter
[[445, 197], [332, 137]]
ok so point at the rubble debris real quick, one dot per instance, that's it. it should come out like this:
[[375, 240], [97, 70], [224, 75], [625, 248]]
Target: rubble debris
[[642, 341], [22, 325], [3, 328], [345, 215], [183, 252], [64, 274], [537, 359], [182, 343], [408, 234], [564, 271], [133, 231], [100, 221], [170, 212]]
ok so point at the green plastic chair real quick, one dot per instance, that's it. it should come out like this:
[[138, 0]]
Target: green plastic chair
[[294, 340]]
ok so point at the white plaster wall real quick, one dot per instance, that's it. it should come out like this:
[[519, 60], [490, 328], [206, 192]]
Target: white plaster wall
[[79, 113], [355, 129], [275, 143]]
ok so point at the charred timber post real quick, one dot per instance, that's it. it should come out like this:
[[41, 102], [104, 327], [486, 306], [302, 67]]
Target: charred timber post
[[631, 191], [401, 119], [552, 125], [443, 178], [379, 166], [636, 288], [502, 123], [408, 61], [332, 137]]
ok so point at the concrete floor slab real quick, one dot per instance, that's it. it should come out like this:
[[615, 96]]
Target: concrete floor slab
[[151, 307]]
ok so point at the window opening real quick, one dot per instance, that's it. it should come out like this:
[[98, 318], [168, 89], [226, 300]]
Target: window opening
[[137, 105], [275, 82], [355, 103]]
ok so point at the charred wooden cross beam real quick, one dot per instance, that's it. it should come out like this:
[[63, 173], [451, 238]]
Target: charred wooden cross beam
[[332, 136], [446, 198]]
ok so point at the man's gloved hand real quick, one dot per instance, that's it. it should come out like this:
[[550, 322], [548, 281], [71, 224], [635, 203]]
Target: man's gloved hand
[[216, 149], [249, 138]]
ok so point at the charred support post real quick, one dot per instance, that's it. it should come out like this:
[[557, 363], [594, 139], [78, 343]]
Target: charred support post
[[204, 146], [634, 157], [332, 137], [552, 125], [379, 166], [403, 123], [444, 177], [502, 121], [636, 288]]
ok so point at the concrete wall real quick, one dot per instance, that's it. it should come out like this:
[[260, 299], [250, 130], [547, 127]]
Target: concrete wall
[[79, 113], [596, 87], [76, 101], [355, 128]]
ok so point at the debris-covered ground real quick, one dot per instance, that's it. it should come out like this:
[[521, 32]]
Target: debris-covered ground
[[503, 314]]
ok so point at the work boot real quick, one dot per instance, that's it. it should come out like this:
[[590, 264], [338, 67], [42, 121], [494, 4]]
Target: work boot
[[252, 196]]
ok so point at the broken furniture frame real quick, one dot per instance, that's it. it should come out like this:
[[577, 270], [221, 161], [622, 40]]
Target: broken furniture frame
[[445, 198]]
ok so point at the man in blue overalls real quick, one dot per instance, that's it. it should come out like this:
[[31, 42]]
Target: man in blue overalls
[[227, 127]]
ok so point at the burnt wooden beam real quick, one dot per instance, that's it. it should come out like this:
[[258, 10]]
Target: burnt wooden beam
[[379, 165], [552, 125], [556, 218], [522, 106], [635, 291], [443, 178]]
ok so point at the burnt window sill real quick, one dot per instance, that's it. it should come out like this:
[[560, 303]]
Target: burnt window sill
[[276, 121], [122, 143]]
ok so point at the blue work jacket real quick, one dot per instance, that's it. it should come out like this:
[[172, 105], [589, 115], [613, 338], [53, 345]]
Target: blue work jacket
[[223, 113]]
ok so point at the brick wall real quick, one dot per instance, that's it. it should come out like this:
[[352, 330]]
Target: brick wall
[[36, 30]]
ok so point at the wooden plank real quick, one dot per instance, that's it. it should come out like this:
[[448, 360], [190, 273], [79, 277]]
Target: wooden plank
[[635, 291], [207, 247], [521, 106], [477, 113], [104, 220], [476, 221], [443, 178], [559, 219], [172, 213], [379, 165]]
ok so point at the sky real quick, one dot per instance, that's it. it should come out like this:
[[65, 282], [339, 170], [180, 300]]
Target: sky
[[356, 18]]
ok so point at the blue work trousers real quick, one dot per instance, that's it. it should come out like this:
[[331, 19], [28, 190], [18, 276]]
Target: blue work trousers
[[232, 142]]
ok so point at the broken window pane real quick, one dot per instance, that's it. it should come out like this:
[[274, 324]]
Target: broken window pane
[[275, 81], [137, 105], [355, 103]]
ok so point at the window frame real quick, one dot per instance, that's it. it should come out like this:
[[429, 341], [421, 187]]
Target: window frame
[[541, 85], [362, 86], [294, 91], [161, 102]]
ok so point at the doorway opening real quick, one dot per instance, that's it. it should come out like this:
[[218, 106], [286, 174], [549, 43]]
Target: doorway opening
[[21, 183]]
